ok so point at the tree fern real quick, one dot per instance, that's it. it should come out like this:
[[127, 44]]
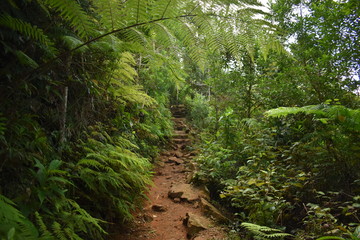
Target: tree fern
[[162, 34], [122, 83], [72, 42], [110, 13], [72, 12], [263, 232], [137, 11]]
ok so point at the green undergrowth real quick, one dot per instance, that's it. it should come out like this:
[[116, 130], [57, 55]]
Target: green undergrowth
[[94, 179], [293, 169], [98, 181]]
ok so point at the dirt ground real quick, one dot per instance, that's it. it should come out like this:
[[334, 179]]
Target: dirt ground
[[162, 218]]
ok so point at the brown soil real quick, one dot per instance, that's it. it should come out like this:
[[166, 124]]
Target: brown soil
[[167, 224]]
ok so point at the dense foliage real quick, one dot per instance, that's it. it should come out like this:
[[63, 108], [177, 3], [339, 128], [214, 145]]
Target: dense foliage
[[85, 91], [86, 88], [280, 132]]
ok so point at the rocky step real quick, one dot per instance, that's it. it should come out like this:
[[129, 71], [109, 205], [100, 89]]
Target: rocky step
[[181, 127], [181, 141], [178, 110], [181, 136], [174, 109], [179, 119], [179, 115], [179, 132]]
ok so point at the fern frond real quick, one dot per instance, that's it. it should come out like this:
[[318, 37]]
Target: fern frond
[[12, 219], [25, 28], [58, 232], [110, 13], [8, 211], [134, 94], [72, 42], [72, 12], [134, 35], [124, 143], [24, 59], [84, 219], [165, 9], [162, 34], [284, 111], [186, 33], [263, 232], [115, 173], [45, 233]]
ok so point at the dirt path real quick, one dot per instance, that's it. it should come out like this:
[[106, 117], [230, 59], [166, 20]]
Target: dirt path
[[171, 199]]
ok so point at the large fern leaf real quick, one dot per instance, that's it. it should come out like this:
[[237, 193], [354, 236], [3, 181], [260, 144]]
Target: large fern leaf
[[110, 13], [28, 30], [72, 12]]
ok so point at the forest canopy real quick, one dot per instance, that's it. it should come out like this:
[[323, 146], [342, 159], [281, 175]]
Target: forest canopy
[[86, 89]]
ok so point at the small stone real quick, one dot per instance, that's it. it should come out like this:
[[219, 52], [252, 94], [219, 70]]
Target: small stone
[[176, 200], [147, 218], [174, 160], [178, 154], [158, 208]]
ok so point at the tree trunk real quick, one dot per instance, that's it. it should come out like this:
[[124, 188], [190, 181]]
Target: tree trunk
[[63, 115]]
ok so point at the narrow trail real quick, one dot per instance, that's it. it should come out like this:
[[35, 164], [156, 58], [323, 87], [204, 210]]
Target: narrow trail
[[175, 209]]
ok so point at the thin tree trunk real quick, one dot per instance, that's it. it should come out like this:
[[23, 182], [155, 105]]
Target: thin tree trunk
[[63, 115], [64, 106]]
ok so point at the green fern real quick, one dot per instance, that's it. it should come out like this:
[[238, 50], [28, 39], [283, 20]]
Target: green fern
[[72, 42], [13, 223], [349, 118], [115, 174], [25, 28], [263, 232], [284, 111], [123, 85], [72, 12], [110, 13], [45, 233]]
